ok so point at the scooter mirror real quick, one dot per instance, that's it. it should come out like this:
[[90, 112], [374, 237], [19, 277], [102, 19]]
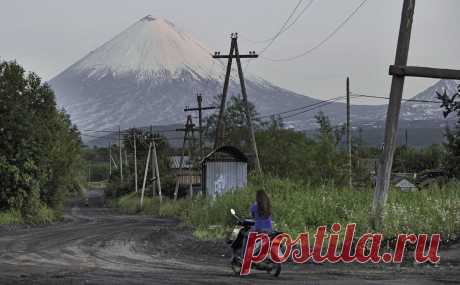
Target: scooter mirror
[[232, 211]]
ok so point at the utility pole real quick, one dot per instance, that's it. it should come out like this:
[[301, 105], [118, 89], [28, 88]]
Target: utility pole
[[406, 138], [110, 159], [157, 170], [121, 159], [190, 171], [391, 126], [145, 176], [153, 166], [189, 126], [199, 100], [126, 160], [200, 109], [350, 182], [89, 171], [135, 160], [234, 53]]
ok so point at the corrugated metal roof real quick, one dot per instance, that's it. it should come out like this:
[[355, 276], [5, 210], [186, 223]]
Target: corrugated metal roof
[[226, 153]]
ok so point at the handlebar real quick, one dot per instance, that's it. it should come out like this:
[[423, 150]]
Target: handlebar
[[246, 222]]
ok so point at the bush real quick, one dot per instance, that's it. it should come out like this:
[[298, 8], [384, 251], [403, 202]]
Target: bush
[[10, 217]]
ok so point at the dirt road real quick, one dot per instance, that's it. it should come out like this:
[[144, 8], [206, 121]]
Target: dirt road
[[96, 246]]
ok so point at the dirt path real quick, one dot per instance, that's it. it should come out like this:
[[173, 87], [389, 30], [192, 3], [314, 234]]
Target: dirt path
[[96, 246]]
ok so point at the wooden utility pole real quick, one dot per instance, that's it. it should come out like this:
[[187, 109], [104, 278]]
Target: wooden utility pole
[[89, 172], [145, 176], [157, 170], [391, 125], [234, 53], [110, 159], [152, 166], [199, 100], [406, 138], [135, 160], [126, 160], [190, 155], [200, 109], [121, 159], [350, 182], [188, 130]]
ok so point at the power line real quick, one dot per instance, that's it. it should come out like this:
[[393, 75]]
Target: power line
[[327, 38], [282, 28], [285, 29], [300, 108], [124, 132], [311, 109], [406, 100]]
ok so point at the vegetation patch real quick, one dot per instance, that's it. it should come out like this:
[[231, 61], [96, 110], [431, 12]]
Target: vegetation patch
[[298, 207]]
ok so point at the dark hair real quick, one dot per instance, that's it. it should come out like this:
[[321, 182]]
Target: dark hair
[[264, 207]]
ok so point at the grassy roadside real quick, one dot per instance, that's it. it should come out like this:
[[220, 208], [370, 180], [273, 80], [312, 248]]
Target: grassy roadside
[[44, 215], [298, 207]]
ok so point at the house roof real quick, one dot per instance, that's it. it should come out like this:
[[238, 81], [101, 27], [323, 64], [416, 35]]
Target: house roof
[[226, 153]]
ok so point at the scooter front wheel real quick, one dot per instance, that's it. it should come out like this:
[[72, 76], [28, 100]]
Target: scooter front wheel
[[236, 266]]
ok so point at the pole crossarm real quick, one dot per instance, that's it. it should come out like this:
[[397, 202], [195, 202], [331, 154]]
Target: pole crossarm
[[197, 109], [427, 72], [233, 56]]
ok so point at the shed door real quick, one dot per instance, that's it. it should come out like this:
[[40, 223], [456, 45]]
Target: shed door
[[224, 176]]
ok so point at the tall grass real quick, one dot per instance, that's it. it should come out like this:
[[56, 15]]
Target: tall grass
[[44, 215], [10, 217], [298, 207]]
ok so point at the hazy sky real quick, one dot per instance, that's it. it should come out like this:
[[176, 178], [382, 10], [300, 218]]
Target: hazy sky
[[46, 36]]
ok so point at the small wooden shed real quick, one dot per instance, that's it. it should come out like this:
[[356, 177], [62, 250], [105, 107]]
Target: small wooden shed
[[224, 169]]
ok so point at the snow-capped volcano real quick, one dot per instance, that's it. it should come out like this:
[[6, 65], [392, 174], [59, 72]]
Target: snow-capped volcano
[[151, 47], [148, 73]]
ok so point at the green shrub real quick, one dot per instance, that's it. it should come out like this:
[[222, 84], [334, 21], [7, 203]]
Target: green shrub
[[10, 217]]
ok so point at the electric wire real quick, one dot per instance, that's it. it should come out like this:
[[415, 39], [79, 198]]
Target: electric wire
[[285, 29], [405, 100], [321, 43]]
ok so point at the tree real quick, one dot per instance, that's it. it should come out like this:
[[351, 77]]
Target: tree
[[330, 161], [143, 138], [39, 147], [236, 132], [451, 104]]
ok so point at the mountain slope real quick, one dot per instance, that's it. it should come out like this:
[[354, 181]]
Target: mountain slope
[[147, 74]]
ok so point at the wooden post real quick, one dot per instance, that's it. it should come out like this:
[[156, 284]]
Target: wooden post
[[135, 161], [89, 172], [126, 158], [350, 182], [110, 160], [157, 171], [145, 176], [248, 113], [178, 177], [120, 158], [391, 126], [153, 166], [199, 98], [220, 121], [406, 138], [191, 145]]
